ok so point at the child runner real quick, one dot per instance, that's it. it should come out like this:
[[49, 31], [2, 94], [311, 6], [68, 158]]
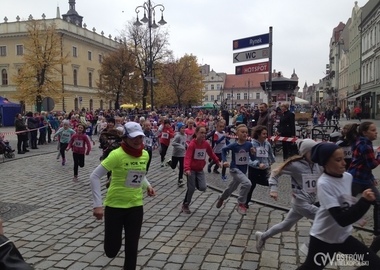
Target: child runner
[[189, 131], [149, 140], [242, 152], [349, 134], [89, 131], [363, 162], [64, 134], [259, 170], [179, 149], [166, 134], [219, 140], [304, 174], [80, 144], [331, 229], [195, 160]]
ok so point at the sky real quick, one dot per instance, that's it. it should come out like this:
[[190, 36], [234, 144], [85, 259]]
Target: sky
[[206, 28]]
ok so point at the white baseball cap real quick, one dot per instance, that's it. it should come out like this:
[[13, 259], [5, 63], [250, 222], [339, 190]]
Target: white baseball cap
[[132, 130]]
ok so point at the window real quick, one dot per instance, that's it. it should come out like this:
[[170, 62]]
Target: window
[[91, 104], [89, 54], [75, 77], [219, 97], [257, 95], [20, 49], [218, 86], [75, 51], [212, 98], [90, 79], [212, 87], [4, 77], [206, 97], [228, 96], [100, 58], [3, 50], [206, 87], [238, 96], [245, 95]]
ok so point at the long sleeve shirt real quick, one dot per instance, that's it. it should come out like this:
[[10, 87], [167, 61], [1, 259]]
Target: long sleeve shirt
[[166, 134], [264, 154], [363, 161], [64, 135], [195, 157], [241, 154], [179, 145], [80, 144]]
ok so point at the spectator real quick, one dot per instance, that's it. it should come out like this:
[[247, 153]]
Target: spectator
[[358, 113], [287, 128]]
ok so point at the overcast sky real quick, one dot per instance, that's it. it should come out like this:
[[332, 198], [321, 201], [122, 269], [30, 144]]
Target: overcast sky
[[206, 28]]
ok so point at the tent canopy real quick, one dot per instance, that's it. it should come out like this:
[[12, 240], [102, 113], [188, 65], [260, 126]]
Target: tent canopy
[[8, 112], [4, 102], [301, 101]]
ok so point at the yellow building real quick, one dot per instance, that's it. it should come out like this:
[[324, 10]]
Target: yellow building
[[85, 49]]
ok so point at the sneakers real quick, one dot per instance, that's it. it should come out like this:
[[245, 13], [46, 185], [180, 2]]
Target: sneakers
[[185, 208], [241, 209], [304, 248], [180, 182], [162, 164], [209, 168], [63, 162], [58, 156], [260, 243], [75, 179], [169, 163], [219, 202], [216, 171], [224, 178]]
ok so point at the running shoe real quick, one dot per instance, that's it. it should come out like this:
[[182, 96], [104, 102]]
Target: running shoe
[[75, 179], [180, 182], [185, 208], [63, 161], [241, 209], [260, 243], [216, 171], [209, 168], [219, 202], [224, 178]]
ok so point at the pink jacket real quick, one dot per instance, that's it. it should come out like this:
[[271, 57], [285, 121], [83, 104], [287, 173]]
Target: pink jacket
[[80, 144]]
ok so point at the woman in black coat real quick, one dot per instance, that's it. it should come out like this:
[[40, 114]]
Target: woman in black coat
[[22, 134], [287, 128]]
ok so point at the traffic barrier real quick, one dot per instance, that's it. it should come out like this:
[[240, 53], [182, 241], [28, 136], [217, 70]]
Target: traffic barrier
[[23, 131]]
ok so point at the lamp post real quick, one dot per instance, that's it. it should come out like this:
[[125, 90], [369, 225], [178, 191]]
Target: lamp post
[[150, 18]]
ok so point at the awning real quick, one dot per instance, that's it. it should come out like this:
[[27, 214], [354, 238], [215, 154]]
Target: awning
[[357, 95]]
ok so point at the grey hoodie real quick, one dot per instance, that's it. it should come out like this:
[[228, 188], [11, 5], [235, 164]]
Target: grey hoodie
[[179, 145], [296, 169]]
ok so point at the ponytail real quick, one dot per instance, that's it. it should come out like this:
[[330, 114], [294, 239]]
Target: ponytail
[[295, 158]]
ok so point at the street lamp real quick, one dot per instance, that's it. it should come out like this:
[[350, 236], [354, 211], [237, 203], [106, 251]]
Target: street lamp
[[151, 20]]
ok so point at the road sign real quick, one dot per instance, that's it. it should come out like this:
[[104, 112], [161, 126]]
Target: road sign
[[48, 104], [251, 55], [250, 42], [252, 68]]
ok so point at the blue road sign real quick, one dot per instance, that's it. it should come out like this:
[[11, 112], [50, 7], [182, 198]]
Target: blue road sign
[[250, 42]]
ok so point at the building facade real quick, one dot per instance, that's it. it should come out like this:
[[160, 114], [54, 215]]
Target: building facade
[[213, 85], [85, 49]]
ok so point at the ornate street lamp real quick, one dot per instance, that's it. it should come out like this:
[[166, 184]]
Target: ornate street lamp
[[150, 18]]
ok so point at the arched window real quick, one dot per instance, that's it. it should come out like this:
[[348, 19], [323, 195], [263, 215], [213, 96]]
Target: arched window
[[90, 79], [91, 104], [76, 104], [101, 104], [75, 76], [4, 77]]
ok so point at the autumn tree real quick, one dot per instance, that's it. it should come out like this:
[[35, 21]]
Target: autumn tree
[[138, 37], [41, 74], [183, 78], [119, 77]]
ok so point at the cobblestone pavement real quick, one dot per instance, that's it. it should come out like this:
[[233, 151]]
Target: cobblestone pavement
[[54, 227]]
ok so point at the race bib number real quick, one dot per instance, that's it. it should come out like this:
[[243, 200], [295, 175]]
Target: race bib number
[[347, 152], [241, 158], [88, 130], [309, 183], [78, 143], [148, 141], [134, 178], [165, 135], [261, 152], [200, 154], [65, 135]]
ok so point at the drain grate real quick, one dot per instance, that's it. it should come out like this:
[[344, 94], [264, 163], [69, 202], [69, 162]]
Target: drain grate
[[12, 210]]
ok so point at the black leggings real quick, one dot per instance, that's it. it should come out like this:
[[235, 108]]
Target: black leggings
[[62, 149], [164, 149], [175, 161], [117, 219], [78, 161], [359, 188], [212, 162], [319, 252], [256, 176]]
